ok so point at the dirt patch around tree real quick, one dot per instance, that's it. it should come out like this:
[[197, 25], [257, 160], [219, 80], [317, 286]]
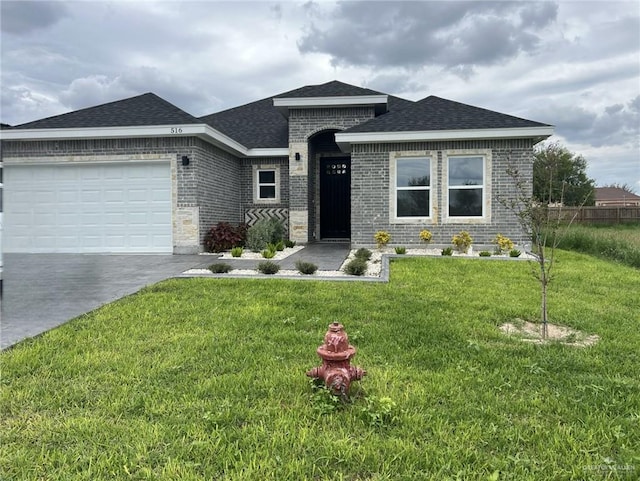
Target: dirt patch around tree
[[531, 332]]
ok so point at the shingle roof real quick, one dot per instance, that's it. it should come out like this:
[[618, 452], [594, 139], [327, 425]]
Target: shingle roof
[[260, 124], [435, 113], [614, 193], [329, 89], [257, 124], [145, 109]]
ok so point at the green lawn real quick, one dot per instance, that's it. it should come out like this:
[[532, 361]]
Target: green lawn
[[197, 379]]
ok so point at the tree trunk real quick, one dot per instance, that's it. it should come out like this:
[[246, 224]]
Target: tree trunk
[[545, 330]]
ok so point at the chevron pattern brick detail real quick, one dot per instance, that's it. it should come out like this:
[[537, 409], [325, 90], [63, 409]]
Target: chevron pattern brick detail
[[251, 216]]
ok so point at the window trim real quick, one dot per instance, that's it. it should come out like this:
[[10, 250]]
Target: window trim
[[257, 184], [485, 217], [394, 157]]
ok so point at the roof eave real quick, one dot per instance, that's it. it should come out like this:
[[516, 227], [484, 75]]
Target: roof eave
[[346, 139], [283, 104], [202, 131]]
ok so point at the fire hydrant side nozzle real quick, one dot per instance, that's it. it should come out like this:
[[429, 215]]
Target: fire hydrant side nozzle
[[336, 353]]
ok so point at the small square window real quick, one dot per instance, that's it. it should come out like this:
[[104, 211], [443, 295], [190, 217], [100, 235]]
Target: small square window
[[266, 185]]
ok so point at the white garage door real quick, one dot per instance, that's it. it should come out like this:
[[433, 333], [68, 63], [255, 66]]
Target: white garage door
[[88, 208]]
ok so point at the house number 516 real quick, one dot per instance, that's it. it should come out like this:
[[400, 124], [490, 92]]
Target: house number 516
[[176, 130]]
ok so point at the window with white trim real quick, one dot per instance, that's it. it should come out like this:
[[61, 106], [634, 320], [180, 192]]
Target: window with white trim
[[266, 184], [412, 187], [466, 186]]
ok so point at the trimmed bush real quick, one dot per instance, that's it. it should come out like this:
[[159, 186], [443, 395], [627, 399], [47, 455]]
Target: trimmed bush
[[263, 232], [447, 251], [363, 253], [514, 253], [484, 254], [220, 268], [268, 267], [223, 236], [268, 253], [289, 243], [306, 267], [382, 238], [462, 241], [356, 267], [237, 252], [279, 246], [401, 250]]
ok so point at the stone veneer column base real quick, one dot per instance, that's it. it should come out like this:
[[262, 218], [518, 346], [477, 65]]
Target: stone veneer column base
[[299, 226], [186, 230]]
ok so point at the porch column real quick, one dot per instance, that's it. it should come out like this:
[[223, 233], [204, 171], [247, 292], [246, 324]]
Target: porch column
[[299, 192]]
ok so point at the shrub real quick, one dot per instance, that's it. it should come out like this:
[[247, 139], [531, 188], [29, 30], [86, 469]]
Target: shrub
[[279, 245], [356, 267], [514, 253], [484, 254], [447, 251], [223, 236], [263, 232], [289, 243], [268, 267], [220, 268], [503, 243], [462, 241], [401, 250], [382, 238], [426, 236], [363, 253], [268, 253], [237, 252], [306, 267]]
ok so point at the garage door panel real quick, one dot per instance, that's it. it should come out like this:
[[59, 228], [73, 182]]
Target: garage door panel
[[88, 208]]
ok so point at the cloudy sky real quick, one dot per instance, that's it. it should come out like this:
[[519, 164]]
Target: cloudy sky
[[573, 64]]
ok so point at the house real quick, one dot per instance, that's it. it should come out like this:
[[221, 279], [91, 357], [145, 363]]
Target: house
[[615, 196], [332, 161]]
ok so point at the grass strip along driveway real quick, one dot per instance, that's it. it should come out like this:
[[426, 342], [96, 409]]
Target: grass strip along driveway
[[196, 379]]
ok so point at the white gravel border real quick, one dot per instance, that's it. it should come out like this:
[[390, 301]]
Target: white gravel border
[[379, 257]]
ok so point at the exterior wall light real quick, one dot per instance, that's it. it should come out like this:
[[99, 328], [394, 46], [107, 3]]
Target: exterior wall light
[[298, 156], [185, 160]]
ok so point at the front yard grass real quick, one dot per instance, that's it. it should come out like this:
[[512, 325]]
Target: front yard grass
[[196, 379]]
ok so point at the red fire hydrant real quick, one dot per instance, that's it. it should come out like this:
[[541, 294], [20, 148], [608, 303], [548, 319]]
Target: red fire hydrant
[[336, 354]]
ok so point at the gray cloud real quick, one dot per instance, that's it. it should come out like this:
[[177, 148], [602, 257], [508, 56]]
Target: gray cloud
[[413, 34], [24, 17]]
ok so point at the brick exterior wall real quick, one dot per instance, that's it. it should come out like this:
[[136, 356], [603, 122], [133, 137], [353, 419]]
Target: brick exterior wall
[[370, 192], [303, 125]]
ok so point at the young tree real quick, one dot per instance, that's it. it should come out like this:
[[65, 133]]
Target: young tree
[[561, 176], [545, 227]]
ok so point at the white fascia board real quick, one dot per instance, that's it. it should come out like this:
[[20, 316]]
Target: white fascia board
[[345, 138], [268, 152], [318, 102], [202, 131]]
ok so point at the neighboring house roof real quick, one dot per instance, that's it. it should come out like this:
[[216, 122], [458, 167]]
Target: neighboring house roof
[[435, 113], [145, 109], [612, 194]]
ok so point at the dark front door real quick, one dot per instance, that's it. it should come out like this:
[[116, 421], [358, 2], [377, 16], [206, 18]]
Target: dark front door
[[335, 198]]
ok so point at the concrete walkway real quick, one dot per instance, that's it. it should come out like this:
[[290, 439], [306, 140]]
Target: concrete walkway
[[43, 291]]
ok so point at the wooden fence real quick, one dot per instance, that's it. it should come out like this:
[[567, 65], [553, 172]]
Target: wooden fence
[[600, 215]]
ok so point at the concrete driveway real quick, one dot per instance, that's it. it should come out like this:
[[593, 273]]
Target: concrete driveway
[[43, 291]]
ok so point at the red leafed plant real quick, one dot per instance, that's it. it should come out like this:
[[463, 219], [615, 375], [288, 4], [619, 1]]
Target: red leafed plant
[[223, 236]]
